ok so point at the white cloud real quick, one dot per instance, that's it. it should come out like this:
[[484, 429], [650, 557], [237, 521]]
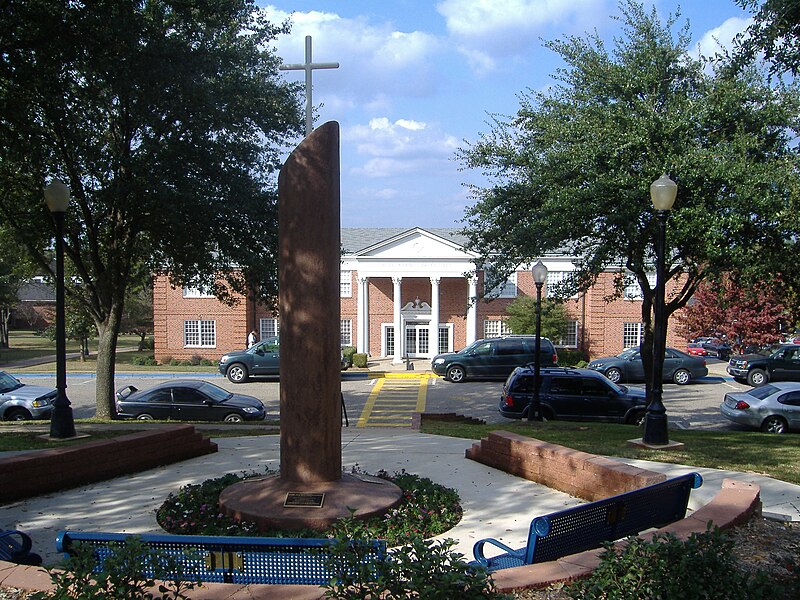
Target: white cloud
[[716, 39]]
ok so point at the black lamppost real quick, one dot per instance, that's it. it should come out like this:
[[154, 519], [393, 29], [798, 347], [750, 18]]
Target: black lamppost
[[539, 272], [56, 195], [662, 194]]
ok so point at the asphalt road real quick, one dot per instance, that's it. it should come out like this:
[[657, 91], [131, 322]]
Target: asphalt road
[[691, 406]]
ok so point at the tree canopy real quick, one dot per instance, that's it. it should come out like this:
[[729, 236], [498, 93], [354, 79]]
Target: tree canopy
[[570, 172], [166, 119], [775, 31], [522, 317]]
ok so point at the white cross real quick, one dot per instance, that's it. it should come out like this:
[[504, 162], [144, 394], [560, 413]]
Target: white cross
[[309, 66]]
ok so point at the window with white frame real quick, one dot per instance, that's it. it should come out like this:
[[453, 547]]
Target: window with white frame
[[554, 278], [347, 332], [200, 334], [507, 289], [569, 338], [196, 293], [346, 284], [632, 334], [495, 328], [269, 327], [633, 291]]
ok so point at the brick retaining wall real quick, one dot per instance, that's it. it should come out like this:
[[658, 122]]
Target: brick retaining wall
[[576, 473], [43, 471]]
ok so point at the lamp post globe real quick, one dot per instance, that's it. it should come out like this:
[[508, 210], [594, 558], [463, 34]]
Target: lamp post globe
[[539, 273], [663, 192], [62, 424]]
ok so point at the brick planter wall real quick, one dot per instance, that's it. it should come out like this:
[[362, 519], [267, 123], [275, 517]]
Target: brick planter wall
[[576, 473], [44, 471]]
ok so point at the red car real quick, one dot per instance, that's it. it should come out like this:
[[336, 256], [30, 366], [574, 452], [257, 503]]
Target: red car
[[696, 349]]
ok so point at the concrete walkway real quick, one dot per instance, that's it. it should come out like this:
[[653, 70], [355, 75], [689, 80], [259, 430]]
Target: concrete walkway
[[495, 503]]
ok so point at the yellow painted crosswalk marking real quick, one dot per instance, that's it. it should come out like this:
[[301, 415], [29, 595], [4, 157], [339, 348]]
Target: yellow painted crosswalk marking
[[393, 402]]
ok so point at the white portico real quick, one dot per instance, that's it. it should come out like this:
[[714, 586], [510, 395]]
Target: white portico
[[412, 287]]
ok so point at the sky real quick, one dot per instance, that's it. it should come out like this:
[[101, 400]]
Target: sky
[[417, 80]]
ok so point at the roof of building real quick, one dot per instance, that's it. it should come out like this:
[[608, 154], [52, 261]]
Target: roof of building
[[357, 238], [36, 291]]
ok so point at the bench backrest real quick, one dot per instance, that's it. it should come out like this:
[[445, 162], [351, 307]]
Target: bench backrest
[[228, 559], [588, 526]]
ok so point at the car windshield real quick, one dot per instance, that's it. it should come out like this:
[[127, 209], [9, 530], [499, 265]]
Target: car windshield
[[217, 394], [629, 353], [8, 383], [763, 391]]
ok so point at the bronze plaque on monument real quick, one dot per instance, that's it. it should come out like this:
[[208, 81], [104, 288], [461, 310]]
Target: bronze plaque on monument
[[304, 500]]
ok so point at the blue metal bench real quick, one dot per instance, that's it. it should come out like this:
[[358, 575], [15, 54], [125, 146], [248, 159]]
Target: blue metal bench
[[15, 547], [228, 559], [588, 526]]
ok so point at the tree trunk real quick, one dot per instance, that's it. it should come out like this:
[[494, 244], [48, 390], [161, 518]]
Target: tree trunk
[[5, 317], [106, 362]]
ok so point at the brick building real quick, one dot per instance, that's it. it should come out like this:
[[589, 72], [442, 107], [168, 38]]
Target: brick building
[[419, 281]]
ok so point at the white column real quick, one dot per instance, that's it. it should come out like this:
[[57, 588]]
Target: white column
[[433, 334], [399, 334], [362, 316], [472, 309]]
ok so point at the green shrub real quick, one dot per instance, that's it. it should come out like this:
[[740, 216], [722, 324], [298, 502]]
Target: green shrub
[[121, 577], [205, 362], [703, 566], [570, 358], [359, 360], [419, 569], [347, 352], [167, 360]]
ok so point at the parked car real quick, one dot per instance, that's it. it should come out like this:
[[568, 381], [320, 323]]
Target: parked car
[[493, 358], [627, 366], [187, 400], [262, 359], [21, 402], [780, 362], [716, 347], [696, 349], [572, 394], [772, 408]]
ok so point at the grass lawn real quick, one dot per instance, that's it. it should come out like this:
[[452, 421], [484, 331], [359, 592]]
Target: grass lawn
[[777, 456], [29, 344]]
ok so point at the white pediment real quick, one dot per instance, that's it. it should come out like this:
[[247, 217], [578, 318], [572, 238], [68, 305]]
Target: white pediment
[[416, 244]]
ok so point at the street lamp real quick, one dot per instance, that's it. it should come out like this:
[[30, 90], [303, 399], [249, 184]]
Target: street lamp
[[662, 194], [56, 195], [539, 272]]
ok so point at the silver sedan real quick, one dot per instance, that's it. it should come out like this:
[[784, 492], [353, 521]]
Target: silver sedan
[[773, 408]]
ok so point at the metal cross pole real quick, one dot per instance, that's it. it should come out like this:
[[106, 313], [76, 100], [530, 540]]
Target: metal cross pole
[[308, 67]]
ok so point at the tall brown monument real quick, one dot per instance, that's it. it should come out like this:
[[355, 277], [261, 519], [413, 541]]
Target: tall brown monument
[[311, 490]]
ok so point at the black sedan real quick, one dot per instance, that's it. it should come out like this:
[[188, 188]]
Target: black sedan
[[187, 400], [627, 366]]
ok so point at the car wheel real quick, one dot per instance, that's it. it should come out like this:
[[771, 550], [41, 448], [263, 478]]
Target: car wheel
[[17, 414], [145, 417], [681, 377], [756, 377], [773, 424], [614, 375], [637, 418], [456, 374], [237, 373], [233, 418]]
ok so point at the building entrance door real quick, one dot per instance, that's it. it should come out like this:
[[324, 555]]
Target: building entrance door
[[417, 340]]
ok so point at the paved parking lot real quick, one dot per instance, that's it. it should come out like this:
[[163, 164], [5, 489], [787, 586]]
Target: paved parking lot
[[691, 406]]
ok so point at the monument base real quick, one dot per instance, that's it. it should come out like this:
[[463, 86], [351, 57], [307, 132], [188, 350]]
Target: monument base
[[264, 501]]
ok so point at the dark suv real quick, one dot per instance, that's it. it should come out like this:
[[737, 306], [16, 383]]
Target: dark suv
[[572, 394], [780, 362], [493, 358]]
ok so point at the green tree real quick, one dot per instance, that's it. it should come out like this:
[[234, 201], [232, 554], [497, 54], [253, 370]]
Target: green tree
[[571, 170], [522, 317], [167, 120], [15, 269], [775, 31]]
